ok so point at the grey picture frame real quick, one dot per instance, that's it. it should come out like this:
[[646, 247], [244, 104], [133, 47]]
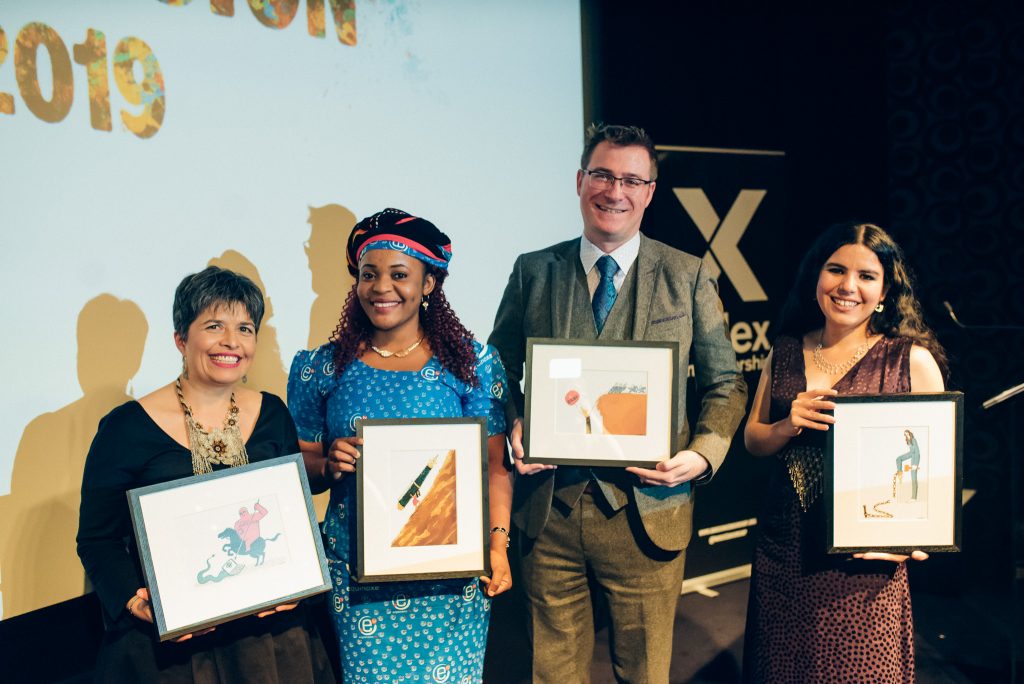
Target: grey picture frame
[[153, 510]]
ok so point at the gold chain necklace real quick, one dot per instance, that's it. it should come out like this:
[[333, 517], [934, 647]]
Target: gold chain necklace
[[222, 446], [384, 353], [829, 368]]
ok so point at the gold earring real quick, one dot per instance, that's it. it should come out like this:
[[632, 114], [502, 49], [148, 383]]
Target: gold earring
[[880, 307], [245, 379], [184, 367], [425, 304]]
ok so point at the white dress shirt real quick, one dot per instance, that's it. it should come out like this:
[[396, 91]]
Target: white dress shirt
[[624, 256]]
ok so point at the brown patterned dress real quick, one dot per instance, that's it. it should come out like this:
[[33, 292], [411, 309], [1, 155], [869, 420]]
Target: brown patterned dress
[[814, 617]]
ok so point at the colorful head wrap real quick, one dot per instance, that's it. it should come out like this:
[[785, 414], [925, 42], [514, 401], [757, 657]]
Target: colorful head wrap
[[402, 232]]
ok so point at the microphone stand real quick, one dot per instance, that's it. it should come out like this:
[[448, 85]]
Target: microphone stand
[[1003, 396], [1016, 510]]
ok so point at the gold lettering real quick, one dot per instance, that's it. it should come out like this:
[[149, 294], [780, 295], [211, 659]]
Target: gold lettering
[[26, 72]]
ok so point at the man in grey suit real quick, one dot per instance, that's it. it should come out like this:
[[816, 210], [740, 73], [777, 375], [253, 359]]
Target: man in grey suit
[[626, 530]]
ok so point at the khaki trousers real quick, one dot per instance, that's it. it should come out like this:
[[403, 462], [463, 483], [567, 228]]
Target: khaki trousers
[[590, 545]]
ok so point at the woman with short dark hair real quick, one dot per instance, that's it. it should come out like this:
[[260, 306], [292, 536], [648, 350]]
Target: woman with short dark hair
[[202, 422]]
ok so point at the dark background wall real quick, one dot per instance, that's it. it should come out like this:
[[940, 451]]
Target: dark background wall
[[809, 83], [906, 114], [955, 115]]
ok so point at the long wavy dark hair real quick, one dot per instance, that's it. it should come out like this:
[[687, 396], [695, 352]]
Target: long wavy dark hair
[[901, 316], [449, 340]]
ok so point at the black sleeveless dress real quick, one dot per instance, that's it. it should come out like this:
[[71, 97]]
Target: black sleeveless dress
[[814, 617]]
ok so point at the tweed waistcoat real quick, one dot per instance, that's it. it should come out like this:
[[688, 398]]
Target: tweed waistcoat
[[613, 482]]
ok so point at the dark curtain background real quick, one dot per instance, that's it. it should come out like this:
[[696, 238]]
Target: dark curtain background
[[905, 114]]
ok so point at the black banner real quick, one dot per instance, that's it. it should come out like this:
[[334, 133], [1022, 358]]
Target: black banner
[[728, 206]]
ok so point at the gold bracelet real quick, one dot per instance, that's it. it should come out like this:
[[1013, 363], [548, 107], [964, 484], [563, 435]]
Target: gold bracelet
[[508, 540], [131, 603]]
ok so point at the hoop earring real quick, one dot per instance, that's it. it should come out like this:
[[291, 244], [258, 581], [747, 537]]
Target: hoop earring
[[184, 367], [880, 307]]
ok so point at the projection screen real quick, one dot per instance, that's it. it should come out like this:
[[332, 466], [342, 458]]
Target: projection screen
[[143, 139]]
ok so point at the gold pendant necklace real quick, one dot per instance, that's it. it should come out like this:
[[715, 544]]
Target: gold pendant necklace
[[223, 446], [829, 368], [384, 353]]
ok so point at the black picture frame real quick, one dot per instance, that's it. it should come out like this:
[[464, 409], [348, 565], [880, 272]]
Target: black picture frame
[[552, 432], [899, 510], [400, 454]]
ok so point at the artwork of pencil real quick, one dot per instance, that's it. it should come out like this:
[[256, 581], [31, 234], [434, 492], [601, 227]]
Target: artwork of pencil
[[413, 492], [435, 521]]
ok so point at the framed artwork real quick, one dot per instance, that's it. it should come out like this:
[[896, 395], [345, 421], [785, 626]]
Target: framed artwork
[[591, 403], [894, 473], [421, 496], [228, 544]]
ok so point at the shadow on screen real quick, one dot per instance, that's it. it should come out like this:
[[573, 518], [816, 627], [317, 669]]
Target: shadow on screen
[[38, 563]]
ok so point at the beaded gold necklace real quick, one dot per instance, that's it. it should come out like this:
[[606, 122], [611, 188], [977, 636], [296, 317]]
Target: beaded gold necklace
[[833, 369], [223, 446]]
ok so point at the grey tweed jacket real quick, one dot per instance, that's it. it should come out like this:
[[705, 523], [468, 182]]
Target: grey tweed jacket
[[676, 300]]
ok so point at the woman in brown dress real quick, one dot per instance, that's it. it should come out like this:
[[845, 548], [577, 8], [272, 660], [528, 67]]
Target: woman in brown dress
[[851, 325]]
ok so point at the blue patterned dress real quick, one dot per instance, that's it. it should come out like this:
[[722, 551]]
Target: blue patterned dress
[[421, 631]]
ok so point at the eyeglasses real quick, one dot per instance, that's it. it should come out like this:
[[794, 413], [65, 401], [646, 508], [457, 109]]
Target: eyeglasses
[[603, 180]]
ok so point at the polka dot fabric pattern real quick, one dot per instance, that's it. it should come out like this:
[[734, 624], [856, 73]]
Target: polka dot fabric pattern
[[422, 631], [814, 617]]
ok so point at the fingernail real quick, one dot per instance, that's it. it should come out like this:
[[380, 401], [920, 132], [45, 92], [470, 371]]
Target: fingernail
[[337, 476]]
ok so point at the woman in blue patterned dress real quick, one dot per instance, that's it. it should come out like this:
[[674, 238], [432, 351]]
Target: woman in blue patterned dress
[[400, 352]]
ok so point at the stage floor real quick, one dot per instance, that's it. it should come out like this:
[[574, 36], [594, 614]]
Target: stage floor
[[958, 640]]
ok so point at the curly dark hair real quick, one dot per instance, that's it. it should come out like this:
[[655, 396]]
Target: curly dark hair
[[901, 317], [449, 340]]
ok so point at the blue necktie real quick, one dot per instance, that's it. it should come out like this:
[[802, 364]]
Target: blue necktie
[[604, 295]]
